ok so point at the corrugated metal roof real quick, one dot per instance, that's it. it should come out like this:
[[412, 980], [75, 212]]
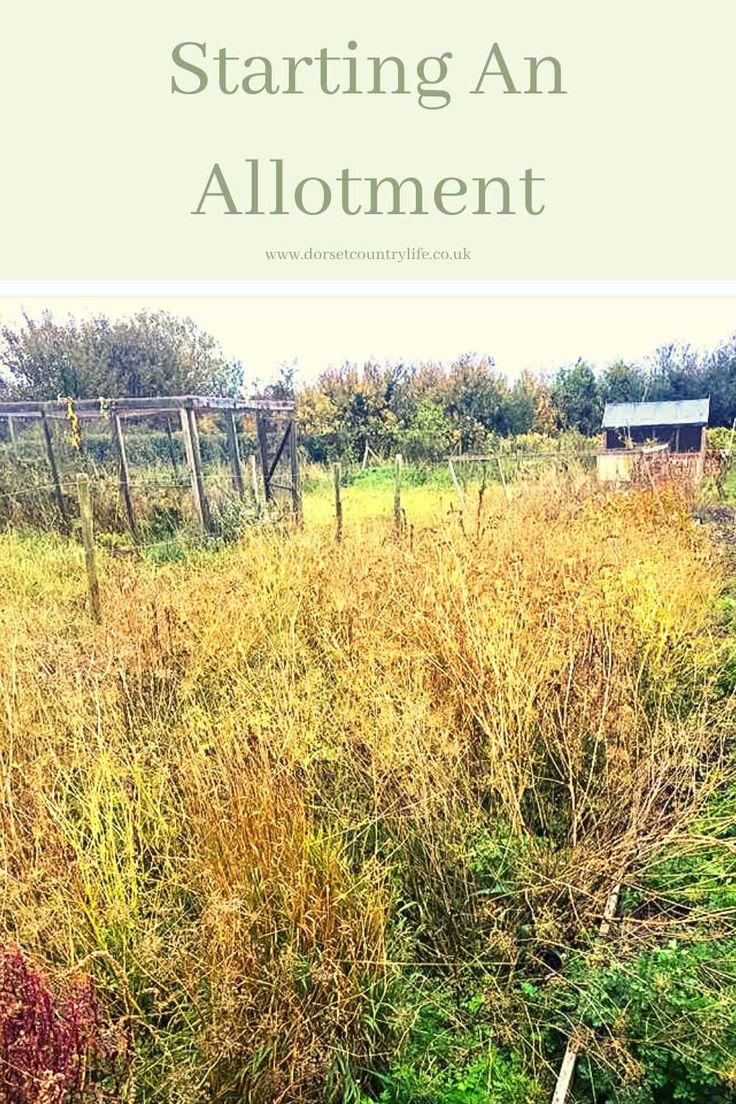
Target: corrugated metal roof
[[683, 412]]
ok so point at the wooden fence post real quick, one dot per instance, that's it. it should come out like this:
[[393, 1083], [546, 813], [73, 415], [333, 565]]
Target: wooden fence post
[[194, 464], [233, 449], [296, 490], [85, 514], [253, 466], [503, 477], [398, 525], [263, 453], [54, 470], [338, 502], [116, 425], [455, 482]]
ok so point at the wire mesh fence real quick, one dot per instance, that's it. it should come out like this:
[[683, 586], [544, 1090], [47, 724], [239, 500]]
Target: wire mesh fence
[[160, 488]]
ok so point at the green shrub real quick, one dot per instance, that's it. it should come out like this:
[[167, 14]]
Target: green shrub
[[450, 1056], [663, 1026]]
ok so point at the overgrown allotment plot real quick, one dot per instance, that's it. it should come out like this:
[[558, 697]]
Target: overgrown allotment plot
[[341, 821]]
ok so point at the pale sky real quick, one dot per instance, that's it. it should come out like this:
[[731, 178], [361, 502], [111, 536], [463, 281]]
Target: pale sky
[[316, 332]]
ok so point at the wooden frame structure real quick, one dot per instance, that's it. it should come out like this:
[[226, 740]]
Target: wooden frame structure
[[186, 408]]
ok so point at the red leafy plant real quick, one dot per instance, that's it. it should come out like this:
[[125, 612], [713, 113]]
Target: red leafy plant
[[54, 1047]]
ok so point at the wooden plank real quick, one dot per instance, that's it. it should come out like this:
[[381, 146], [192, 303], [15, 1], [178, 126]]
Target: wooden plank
[[123, 471], [455, 482], [263, 453], [157, 404], [338, 502], [54, 472], [249, 406], [21, 409], [194, 464], [398, 521], [502, 475], [201, 406], [233, 450], [85, 514], [296, 491], [186, 437], [197, 454], [279, 450], [253, 468]]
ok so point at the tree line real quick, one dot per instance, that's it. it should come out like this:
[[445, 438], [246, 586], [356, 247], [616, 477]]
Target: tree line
[[423, 410], [426, 411]]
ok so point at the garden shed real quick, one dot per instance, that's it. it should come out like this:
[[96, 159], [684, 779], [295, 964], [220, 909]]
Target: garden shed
[[634, 429]]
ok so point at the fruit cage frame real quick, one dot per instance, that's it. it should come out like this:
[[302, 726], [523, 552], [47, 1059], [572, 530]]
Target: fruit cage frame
[[276, 434]]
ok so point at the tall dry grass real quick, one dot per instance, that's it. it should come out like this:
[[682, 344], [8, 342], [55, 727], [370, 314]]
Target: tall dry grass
[[282, 779]]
